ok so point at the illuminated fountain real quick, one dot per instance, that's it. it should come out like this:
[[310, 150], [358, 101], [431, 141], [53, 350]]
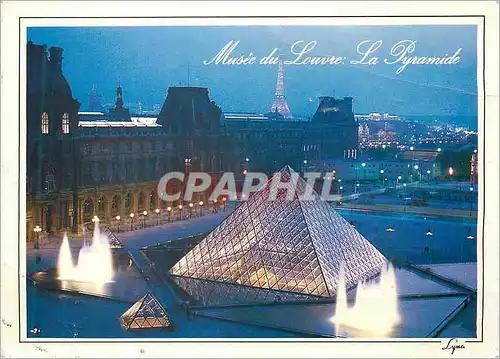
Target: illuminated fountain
[[94, 263], [375, 311]]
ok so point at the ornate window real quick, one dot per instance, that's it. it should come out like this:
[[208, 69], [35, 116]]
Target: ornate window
[[102, 205], [141, 202], [65, 123], [129, 203], [45, 123]]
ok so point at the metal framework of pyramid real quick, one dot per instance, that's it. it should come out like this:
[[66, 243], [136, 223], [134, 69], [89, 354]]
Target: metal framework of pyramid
[[114, 242], [146, 313], [277, 250]]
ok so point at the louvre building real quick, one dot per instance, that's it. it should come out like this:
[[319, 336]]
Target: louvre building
[[85, 163]]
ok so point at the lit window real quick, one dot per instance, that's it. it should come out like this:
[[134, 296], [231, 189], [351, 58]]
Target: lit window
[[45, 123], [65, 123]]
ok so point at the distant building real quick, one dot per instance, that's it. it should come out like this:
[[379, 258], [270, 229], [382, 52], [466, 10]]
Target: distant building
[[94, 103], [378, 170], [280, 106], [271, 143], [363, 133]]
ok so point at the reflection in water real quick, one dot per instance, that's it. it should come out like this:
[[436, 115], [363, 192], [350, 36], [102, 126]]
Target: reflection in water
[[375, 312], [95, 263]]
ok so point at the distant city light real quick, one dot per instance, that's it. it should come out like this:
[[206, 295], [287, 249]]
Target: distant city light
[[363, 164], [305, 162], [382, 171], [428, 172], [471, 189], [247, 159], [411, 148], [416, 167], [450, 171]]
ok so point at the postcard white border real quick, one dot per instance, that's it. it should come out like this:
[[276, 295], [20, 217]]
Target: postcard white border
[[488, 153]]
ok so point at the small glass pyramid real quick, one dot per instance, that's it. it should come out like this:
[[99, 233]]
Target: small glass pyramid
[[277, 250], [147, 312]]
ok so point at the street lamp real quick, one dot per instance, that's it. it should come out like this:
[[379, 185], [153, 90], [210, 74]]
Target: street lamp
[[144, 214], [180, 211], [364, 171], [201, 207], [117, 224], [224, 199], [190, 209], [132, 221], [439, 149], [37, 230], [157, 216], [247, 159], [169, 211]]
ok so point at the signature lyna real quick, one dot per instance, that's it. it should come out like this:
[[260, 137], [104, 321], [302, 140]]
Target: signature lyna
[[453, 345]]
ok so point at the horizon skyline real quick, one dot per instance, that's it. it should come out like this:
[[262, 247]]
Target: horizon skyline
[[146, 61]]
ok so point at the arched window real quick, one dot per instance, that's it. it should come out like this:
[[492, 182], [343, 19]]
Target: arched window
[[45, 123], [102, 205], [65, 123], [115, 205], [153, 200], [88, 210], [129, 203], [141, 202]]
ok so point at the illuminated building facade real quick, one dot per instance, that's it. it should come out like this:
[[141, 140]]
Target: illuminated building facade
[[81, 164]]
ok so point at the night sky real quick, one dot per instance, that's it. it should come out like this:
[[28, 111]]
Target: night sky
[[147, 60]]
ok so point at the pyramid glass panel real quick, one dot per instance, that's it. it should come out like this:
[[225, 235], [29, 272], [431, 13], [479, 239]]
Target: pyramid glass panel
[[267, 247], [147, 312]]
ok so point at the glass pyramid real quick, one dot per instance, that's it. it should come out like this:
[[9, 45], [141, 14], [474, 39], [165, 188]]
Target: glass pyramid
[[147, 312], [273, 250]]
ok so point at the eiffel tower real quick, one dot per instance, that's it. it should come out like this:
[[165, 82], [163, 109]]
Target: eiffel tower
[[280, 105]]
